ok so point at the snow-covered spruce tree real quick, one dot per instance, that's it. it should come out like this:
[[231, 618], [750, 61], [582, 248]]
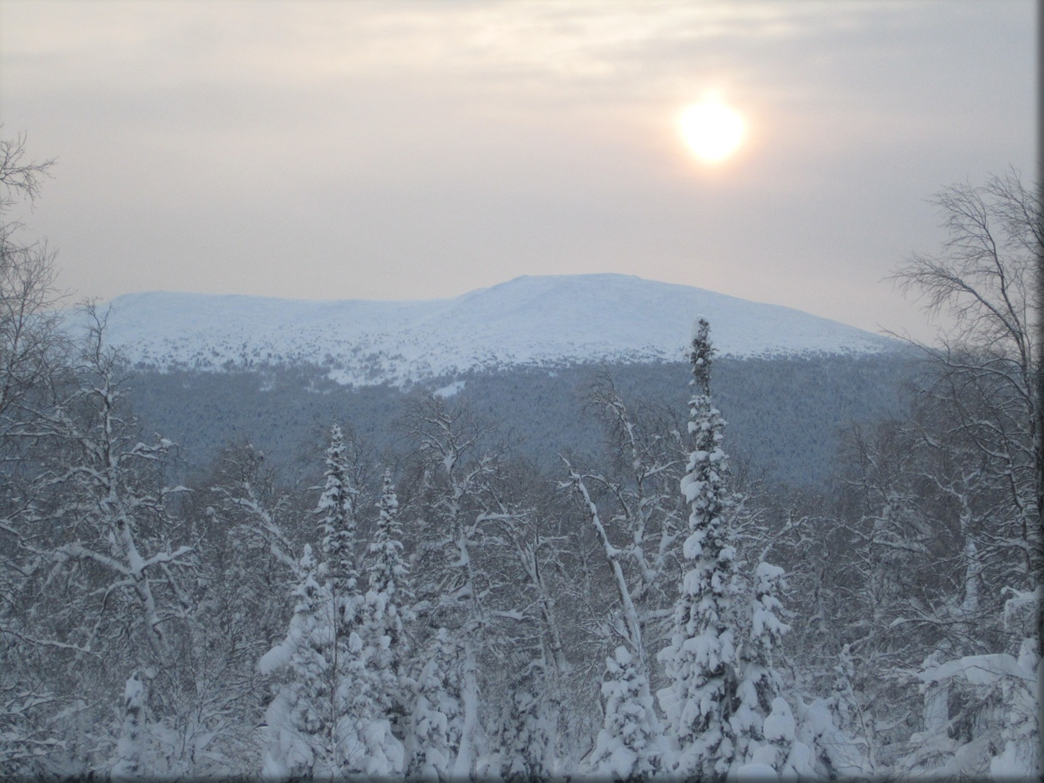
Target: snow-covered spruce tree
[[302, 718], [351, 690], [437, 720], [701, 661], [389, 599], [628, 747], [759, 739], [381, 710], [336, 510]]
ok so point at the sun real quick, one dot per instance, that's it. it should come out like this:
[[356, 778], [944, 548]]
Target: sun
[[712, 130]]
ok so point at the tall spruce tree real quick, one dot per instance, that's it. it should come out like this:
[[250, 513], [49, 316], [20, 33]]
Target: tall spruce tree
[[336, 510], [388, 603], [701, 661], [351, 693], [380, 705], [301, 719]]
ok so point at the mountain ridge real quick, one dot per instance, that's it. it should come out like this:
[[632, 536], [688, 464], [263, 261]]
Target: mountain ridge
[[542, 321]]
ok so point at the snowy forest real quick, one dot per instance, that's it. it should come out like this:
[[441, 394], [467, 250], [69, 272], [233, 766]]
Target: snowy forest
[[454, 611]]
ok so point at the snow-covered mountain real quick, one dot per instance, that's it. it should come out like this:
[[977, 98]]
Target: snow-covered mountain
[[543, 321]]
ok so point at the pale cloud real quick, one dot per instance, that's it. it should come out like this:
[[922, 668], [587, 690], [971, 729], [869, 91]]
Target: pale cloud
[[406, 149], [300, 44]]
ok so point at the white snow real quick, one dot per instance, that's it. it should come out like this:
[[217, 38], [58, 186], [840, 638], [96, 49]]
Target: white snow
[[133, 691], [450, 390], [779, 725], [978, 669], [756, 772], [534, 321], [275, 659]]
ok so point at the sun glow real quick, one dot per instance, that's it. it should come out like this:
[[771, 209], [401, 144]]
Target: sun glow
[[712, 130]]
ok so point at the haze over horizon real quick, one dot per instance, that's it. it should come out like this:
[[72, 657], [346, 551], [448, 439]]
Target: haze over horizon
[[402, 151]]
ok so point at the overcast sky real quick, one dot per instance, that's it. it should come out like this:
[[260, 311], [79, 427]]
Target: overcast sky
[[404, 150]]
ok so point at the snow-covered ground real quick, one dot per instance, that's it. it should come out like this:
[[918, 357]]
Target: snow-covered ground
[[540, 321]]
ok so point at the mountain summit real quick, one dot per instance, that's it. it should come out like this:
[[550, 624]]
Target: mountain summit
[[535, 321]]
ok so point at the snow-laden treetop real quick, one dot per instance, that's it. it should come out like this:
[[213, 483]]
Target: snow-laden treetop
[[542, 321]]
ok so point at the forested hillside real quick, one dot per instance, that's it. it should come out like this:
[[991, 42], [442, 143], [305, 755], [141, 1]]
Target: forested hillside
[[786, 415]]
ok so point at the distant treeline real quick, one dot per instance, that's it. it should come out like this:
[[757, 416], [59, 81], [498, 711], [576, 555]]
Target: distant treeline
[[785, 415]]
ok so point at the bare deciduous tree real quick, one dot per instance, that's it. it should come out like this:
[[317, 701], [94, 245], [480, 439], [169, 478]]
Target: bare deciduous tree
[[988, 382], [29, 338]]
